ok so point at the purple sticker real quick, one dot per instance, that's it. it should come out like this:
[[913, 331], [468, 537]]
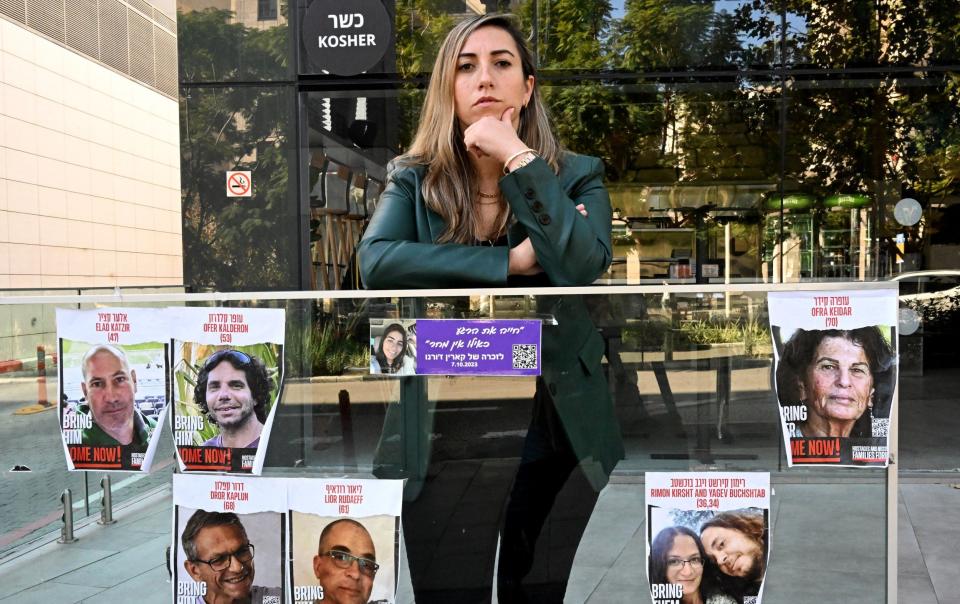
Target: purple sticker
[[478, 347]]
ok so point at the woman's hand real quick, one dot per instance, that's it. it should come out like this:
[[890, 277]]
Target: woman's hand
[[495, 138], [522, 260]]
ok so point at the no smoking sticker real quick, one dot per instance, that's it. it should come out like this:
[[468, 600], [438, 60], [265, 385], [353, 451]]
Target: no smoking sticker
[[239, 184]]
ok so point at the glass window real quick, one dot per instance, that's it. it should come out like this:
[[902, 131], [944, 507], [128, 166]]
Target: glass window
[[239, 243], [266, 10], [240, 42], [864, 33]]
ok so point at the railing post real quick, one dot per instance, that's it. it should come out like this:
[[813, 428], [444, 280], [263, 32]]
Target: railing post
[[66, 531], [42, 376], [106, 511]]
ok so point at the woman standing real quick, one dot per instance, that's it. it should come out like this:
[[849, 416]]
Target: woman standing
[[485, 197]]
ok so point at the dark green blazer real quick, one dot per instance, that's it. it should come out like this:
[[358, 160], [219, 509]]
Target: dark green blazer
[[399, 251]]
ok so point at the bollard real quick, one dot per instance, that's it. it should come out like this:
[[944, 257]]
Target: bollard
[[106, 512], [42, 376], [66, 531]]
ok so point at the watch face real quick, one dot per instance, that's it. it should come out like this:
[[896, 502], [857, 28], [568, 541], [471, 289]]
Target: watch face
[[907, 211]]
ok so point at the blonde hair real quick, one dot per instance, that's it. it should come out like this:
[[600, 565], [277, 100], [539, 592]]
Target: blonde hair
[[450, 185]]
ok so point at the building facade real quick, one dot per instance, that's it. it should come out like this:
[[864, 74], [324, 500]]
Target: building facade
[[89, 171]]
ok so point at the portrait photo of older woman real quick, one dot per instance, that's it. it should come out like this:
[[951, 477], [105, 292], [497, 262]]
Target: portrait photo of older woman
[[837, 379]]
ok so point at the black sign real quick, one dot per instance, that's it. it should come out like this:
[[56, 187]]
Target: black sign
[[345, 38]]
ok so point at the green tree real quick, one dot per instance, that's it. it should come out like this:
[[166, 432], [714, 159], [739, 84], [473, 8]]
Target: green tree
[[231, 243]]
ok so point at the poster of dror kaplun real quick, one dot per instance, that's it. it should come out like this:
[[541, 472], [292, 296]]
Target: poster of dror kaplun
[[835, 357]]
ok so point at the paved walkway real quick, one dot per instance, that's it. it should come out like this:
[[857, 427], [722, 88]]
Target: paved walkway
[[826, 548]]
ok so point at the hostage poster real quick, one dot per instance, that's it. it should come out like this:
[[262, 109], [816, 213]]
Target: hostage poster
[[345, 540], [113, 386], [229, 539], [227, 376], [835, 357], [708, 536]]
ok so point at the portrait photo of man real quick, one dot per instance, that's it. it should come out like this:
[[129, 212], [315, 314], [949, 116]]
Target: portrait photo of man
[[220, 556], [346, 563], [109, 389], [233, 392]]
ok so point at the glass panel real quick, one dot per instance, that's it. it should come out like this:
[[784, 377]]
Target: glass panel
[[665, 35], [239, 243], [850, 156], [598, 35], [688, 170], [687, 373], [220, 41], [864, 33]]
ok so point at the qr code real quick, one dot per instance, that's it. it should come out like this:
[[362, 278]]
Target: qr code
[[880, 427], [524, 356], [271, 599]]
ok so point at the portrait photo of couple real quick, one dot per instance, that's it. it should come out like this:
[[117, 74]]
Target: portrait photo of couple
[[706, 557]]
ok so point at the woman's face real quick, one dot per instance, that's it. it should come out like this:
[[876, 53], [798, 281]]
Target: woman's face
[[684, 564], [735, 554], [489, 77], [392, 345], [838, 383]]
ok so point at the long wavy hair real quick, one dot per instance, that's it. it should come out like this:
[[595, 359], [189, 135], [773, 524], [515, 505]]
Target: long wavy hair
[[751, 524], [660, 552], [385, 365], [451, 184], [799, 352]]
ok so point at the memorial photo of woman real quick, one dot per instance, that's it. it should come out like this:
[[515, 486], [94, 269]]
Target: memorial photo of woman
[[677, 557], [393, 352], [486, 197], [843, 378]]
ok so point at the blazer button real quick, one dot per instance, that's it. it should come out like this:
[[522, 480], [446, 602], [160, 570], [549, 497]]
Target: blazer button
[[536, 206], [544, 219], [529, 194]]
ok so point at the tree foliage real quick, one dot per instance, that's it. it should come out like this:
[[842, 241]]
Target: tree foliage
[[235, 243]]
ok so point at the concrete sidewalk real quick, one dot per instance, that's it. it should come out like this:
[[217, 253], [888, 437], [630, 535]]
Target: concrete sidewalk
[[812, 560]]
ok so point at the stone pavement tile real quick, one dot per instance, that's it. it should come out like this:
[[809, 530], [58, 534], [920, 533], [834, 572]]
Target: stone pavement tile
[[930, 504], [149, 587], [583, 583], [939, 546], [915, 589], [789, 585], [615, 592], [909, 558], [52, 591], [633, 559], [45, 564], [121, 567], [848, 542], [114, 538], [617, 516], [157, 519]]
